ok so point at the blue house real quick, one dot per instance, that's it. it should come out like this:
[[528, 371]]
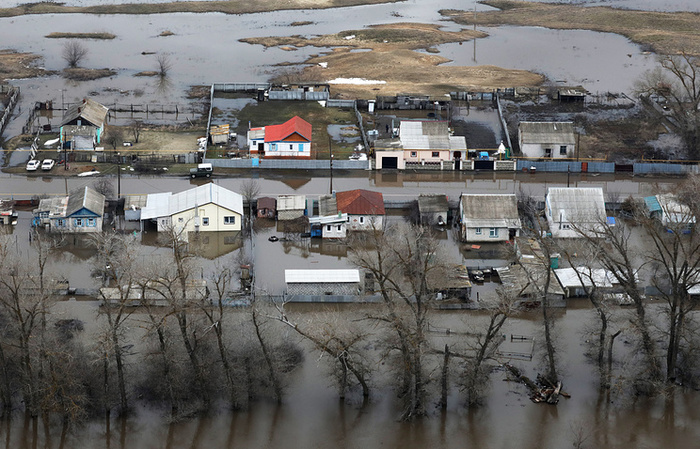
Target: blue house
[[80, 212]]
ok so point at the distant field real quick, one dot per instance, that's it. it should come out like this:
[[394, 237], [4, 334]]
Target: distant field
[[661, 32], [226, 7]]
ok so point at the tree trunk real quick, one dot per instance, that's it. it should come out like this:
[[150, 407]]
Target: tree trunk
[[445, 367]]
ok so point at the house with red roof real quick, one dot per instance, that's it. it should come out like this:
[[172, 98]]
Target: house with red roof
[[289, 140], [365, 209]]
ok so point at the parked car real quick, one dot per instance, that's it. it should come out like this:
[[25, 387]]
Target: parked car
[[33, 165], [202, 171], [47, 164]]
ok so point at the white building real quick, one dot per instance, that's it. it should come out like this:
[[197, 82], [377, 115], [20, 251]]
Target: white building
[[573, 211], [489, 218], [547, 140]]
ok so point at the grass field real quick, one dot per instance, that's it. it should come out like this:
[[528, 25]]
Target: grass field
[[661, 32]]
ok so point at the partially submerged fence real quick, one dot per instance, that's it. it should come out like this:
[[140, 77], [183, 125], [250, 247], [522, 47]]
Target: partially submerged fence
[[13, 94], [296, 164], [637, 168]]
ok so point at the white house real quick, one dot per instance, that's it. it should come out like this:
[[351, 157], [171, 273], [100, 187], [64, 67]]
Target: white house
[[329, 224], [364, 209], [550, 140], [289, 140], [669, 211], [206, 208], [489, 218], [291, 207], [573, 211]]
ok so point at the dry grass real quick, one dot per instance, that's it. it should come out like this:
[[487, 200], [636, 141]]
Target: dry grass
[[393, 59], [80, 74], [662, 32], [57, 35], [226, 7], [14, 65]]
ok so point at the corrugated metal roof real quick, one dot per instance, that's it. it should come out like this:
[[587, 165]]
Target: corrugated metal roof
[[599, 277], [89, 199], [429, 135], [652, 203], [490, 211], [275, 133], [321, 276], [327, 205], [548, 132], [360, 202], [88, 109], [291, 202], [256, 133], [168, 204], [577, 204]]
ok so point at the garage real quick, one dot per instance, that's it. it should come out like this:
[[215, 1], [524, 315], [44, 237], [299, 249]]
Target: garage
[[390, 162]]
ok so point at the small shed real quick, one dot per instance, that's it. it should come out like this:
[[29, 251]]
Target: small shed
[[577, 282], [433, 209], [267, 207], [219, 134], [323, 282], [133, 205], [8, 215], [291, 207]]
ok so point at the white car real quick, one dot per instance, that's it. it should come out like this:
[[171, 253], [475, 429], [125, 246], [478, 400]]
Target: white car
[[47, 164], [33, 165]]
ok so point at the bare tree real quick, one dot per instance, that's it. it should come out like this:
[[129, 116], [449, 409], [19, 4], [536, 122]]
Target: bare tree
[[164, 65], [136, 127], [402, 260], [104, 186], [73, 53], [676, 85], [114, 137]]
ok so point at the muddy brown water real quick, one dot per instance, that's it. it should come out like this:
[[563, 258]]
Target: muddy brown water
[[311, 415]]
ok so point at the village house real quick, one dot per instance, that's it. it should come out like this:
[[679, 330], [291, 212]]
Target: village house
[[289, 140], [364, 209], [421, 144], [8, 214], [575, 211], [489, 218], [80, 212], [547, 140], [291, 207], [580, 281], [433, 209], [83, 125], [329, 224], [206, 208], [670, 213]]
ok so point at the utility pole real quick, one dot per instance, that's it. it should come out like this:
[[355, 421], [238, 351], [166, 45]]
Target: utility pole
[[119, 178], [330, 152]]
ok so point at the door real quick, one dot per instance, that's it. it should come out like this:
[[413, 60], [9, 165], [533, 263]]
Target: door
[[390, 163]]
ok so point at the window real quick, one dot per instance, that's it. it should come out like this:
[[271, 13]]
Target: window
[[362, 220], [339, 228], [414, 154], [61, 223], [291, 147], [301, 147], [44, 214], [78, 222], [562, 150], [493, 233], [273, 147], [477, 231], [328, 228], [91, 222], [348, 218], [180, 220], [205, 221], [548, 152], [436, 154], [230, 220]]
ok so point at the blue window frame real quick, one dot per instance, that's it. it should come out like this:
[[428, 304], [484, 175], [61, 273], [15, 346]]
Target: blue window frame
[[301, 147], [91, 222], [78, 222]]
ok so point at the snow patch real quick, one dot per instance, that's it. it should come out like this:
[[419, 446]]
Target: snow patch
[[355, 81]]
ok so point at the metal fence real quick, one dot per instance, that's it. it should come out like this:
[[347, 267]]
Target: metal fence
[[296, 164], [638, 168], [13, 94], [298, 94]]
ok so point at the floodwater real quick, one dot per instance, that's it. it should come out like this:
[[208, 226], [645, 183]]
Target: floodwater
[[205, 49], [313, 417], [644, 5]]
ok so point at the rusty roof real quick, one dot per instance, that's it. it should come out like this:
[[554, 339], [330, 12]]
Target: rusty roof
[[360, 202]]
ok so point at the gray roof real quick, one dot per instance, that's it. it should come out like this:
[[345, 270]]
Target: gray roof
[[490, 211], [321, 276], [547, 132], [327, 205], [577, 204], [291, 202], [429, 135], [88, 109], [89, 199], [168, 204], [432, 203]]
